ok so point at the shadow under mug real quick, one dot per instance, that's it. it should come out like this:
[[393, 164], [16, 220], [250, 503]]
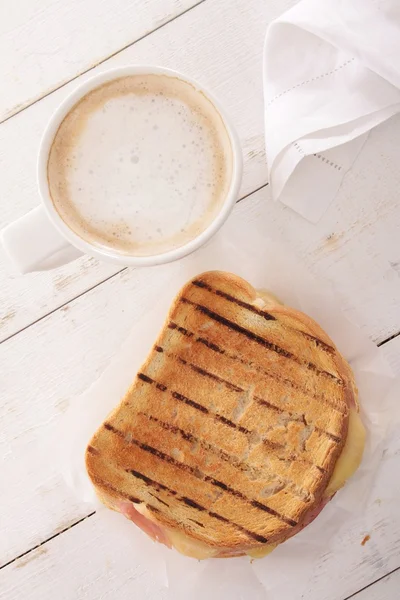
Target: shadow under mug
[[41, 240]]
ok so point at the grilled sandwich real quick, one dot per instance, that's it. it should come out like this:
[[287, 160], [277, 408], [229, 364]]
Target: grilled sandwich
[[240, 426]]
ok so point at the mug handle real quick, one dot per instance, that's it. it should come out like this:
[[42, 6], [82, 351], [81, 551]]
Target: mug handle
[[33, 243]]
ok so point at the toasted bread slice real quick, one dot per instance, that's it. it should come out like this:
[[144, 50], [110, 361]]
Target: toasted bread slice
[[232, 428]]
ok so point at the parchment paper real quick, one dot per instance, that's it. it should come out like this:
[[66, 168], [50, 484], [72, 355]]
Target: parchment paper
[[244, 250]]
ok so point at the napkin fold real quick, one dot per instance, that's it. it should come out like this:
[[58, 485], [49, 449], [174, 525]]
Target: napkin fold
[[331, 74]]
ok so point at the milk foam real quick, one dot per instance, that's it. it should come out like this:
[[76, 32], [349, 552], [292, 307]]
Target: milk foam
[[141, 165]]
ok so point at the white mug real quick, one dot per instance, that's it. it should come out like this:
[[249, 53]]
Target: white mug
[[41, 240]]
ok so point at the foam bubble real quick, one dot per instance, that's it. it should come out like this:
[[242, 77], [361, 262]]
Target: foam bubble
[[125, 170]]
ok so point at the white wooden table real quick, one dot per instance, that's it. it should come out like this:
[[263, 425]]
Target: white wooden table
[[59, 329]]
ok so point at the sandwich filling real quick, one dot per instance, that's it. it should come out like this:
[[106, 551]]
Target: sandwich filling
[[346, 465], [240, 427]]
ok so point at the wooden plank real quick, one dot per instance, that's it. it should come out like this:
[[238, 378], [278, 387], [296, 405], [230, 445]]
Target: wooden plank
[[85, 560], [354, 244], [41, 368], [385, 589], [45, 43], [57, 358], [209, 43], [86, 573]]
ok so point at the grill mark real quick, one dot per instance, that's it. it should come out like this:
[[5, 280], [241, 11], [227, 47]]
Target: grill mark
[[266, 315], [244, 467], [191, 403], [313, 338], [101, 483], [252, 365], [232, 460], [192, 504], [228, 384], [182, 330], [331, 436], [294, 457], [159, 500], [255, 309], [195, 405], [201, 371], [273, 445], [193, 471], [232, 386], [93, 450], [196, 522], [229, 423], [147, 379], [260, 340]]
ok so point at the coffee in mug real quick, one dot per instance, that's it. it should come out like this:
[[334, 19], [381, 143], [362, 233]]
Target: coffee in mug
[[140, 165]]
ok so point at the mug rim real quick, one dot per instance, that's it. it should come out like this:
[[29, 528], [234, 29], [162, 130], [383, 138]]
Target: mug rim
[[105, 253]]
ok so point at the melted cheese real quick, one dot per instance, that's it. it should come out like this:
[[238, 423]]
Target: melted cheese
[[265, 298], [261, 552], [143, 510], [350, 458], [189, 546], [346, 465]]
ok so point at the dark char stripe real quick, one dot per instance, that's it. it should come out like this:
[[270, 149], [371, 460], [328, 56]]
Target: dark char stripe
[[232, 460], [104, 484], [93, 450], [189, 437], [187, 468], [196, 405], [159, 500], [231, 424], [222, 419], [196, 506], [189, 402], [250, 364], [236, 388], [147, 379], [228, 384], [251, 307], [260, 340], [197, 522], [202, 371], [262, 313], [187, 333], [331, 436]]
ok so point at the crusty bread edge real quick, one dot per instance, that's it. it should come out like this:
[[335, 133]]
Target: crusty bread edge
[[108, 498]]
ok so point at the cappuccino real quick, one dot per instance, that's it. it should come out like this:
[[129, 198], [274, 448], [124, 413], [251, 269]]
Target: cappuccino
[[140, 165]]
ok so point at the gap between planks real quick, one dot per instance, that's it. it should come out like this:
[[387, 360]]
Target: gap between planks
[[10, 562], [373, 582], [100, 282], [100, 62], [392, 337], [47, 540]]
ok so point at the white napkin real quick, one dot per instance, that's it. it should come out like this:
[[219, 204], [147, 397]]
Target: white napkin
[[331, 74]]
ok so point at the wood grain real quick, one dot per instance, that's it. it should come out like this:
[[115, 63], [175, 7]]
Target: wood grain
[[45, 43], [354, 244], [385, 589], [59, 357], [84, 558], [218, 51], [83, 573]]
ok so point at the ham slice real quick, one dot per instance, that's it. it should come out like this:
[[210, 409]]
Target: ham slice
[[156, 532]]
